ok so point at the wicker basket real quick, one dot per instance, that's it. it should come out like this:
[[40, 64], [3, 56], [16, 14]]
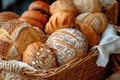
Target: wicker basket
[[78, 69], [111, 12]]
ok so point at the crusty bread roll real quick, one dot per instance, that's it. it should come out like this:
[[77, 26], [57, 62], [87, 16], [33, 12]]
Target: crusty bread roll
[[40, 6], [7, 15], [68, 44], [87, 5], [97, 20], [36, 15], [89, 32], [63, 5], [60, 19], [20, 35], [32, 22], [39, 56]]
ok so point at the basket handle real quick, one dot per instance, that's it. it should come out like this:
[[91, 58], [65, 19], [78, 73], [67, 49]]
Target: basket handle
[[15, 66]]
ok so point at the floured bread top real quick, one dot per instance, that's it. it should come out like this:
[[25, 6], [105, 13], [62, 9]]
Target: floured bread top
[[68, 43]]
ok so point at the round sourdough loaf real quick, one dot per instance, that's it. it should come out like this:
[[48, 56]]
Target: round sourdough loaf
[[68, 44], [39, 56]]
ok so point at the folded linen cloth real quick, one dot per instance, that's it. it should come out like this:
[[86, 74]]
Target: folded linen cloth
[[109, 44]]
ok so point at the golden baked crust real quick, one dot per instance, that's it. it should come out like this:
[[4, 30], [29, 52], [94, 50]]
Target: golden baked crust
[[63, 5], [97, 20], [32, 22], [68, 43], [39, 56], [8, 15], [6, 43], [39, 5], [20, 34], [36, 15], [60, 19], [89, 32], [87, 5]]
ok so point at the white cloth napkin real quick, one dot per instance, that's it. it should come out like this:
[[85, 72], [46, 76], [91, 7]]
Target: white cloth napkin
[[109, 44]]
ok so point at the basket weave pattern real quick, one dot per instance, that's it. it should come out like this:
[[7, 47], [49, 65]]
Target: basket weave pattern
[[78, 69]]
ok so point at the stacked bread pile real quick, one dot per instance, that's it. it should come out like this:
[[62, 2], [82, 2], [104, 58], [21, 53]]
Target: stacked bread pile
[[73, 26]]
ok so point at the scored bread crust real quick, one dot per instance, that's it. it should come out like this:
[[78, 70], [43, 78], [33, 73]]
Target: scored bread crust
[[8, 15], [88, 5], [89, 32], [32, 22], [68, 44], [22, 34], [61, 19], [97, 20], [36, 15]]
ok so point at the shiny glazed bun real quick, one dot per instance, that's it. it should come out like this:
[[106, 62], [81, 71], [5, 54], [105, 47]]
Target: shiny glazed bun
[[68, 43], [39, 56]]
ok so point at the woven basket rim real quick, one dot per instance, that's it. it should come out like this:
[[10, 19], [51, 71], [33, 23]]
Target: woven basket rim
[[57, 70]]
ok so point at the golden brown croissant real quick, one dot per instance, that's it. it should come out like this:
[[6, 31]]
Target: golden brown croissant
[[60, 19]]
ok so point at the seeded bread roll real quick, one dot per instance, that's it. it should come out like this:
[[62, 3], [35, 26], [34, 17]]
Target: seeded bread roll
[[39, 56], [60, 19], [20, 34], [68, 44], [63, 5], [88, 5]]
